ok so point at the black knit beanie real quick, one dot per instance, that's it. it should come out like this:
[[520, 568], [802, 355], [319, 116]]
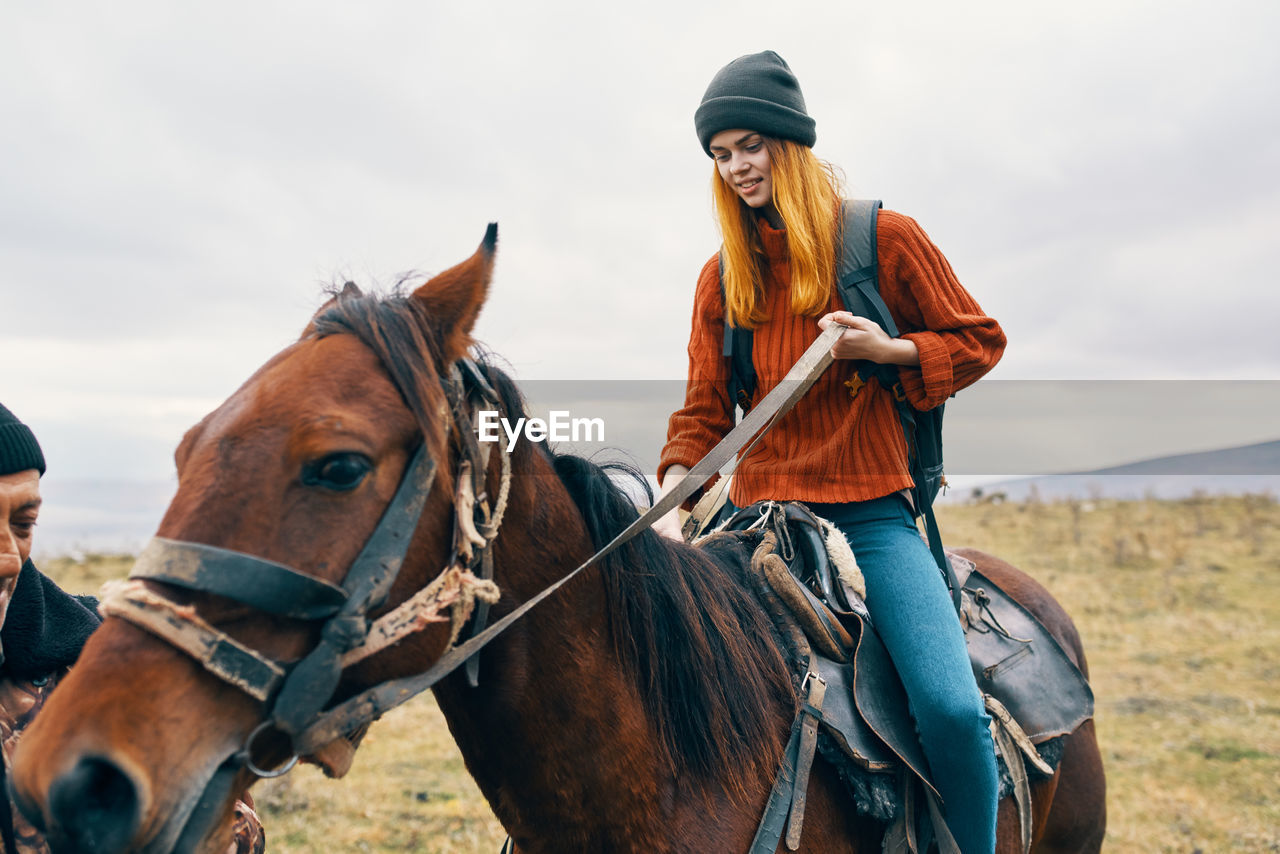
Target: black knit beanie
[[19, 449], [755, 92]]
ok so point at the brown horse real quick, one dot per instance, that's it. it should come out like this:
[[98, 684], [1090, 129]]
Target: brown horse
[[642, 708]]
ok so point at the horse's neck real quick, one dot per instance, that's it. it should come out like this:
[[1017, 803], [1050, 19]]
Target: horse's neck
[[560, 735], [554, 734]]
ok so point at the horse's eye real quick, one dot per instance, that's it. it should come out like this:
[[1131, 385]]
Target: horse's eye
[[341, 472]]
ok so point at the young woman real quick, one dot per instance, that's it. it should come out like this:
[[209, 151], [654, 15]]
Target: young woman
[[841, 449]]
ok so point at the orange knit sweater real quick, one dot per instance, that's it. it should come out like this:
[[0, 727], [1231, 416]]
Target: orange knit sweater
[[833, 447]]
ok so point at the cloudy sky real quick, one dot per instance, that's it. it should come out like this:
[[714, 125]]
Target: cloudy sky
[[179, 181]]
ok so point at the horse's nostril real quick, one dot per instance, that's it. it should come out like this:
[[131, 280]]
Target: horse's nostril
[[94, 808]]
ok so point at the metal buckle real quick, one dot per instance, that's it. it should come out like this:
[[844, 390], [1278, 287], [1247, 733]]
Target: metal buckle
[[804, 686], [246, 753]]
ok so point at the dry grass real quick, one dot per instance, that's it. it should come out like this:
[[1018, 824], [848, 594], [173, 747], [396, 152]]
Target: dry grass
[[1177, 604], [408, 791], [1178, 607]]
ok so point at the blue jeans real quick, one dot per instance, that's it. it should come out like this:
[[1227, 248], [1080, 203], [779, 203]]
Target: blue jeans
[[912, 611]]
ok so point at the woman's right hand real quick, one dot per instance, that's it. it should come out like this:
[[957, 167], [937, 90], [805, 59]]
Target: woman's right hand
[[668, 525]]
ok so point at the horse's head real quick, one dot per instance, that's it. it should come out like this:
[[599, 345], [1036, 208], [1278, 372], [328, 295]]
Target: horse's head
[[169, 712]]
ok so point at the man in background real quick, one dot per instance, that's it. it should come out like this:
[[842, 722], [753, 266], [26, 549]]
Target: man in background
[[42, 630]]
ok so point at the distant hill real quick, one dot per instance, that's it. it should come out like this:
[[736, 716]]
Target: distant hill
[[99, 516], [1235, 471]]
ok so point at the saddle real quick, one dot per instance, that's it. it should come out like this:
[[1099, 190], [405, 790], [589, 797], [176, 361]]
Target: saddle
[[805, 576]]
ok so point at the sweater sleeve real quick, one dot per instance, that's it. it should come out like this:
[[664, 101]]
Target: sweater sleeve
[[707, 414], [958, 343]]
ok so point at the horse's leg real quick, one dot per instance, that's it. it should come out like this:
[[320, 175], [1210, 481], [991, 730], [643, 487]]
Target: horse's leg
[[1077, 817]]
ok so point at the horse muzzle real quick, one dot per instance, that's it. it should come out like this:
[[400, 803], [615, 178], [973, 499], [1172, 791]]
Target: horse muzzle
[[95, 808], [101, 806]]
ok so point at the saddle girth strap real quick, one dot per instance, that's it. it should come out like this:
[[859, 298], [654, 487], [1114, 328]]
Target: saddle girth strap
[[786, 802], [1013, 743], [811, 715]]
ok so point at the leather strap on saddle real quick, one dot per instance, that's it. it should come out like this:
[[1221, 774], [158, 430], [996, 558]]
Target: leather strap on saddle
[[789, 795], [1013, 744], [941, 833], [902, 838], [811, 715]]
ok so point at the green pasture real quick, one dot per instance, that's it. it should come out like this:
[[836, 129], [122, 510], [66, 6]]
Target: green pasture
[[1178, 607]]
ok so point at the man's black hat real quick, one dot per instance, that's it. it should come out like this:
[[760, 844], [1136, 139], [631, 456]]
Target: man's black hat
[[19, 449]]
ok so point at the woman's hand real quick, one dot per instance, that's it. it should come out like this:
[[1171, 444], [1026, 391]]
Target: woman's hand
[[866, 340], [668, 525]]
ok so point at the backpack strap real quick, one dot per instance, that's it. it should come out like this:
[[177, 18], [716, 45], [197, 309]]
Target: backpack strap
[[859, 288], [857, 279], [859, 264], [737, 350]]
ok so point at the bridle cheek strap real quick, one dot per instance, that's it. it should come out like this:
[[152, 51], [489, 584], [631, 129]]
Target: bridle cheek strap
[[311, 684]]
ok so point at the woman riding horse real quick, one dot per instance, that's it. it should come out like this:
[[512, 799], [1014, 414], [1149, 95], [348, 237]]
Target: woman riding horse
[[643, 707], [780, 214]]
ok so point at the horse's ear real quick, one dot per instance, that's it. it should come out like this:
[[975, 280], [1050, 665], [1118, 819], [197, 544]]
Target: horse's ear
[[454, 297]]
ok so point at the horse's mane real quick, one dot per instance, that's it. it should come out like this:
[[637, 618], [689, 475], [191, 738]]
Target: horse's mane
[[698, 644]]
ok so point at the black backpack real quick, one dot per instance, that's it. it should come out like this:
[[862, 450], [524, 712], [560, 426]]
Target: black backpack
[[860, 293]]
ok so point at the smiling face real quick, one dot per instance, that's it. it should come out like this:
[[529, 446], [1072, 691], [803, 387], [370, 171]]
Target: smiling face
[[743, 162], [19, 507]]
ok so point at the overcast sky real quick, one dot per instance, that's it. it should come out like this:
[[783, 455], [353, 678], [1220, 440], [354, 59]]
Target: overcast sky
[[179, 181]]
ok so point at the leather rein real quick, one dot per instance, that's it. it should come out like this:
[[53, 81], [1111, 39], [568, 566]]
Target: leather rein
[[302, 690]]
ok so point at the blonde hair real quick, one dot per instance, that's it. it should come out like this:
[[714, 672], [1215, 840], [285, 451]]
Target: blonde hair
[[807, 194]]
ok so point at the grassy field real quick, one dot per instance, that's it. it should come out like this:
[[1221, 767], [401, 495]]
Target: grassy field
[[1180, 614]]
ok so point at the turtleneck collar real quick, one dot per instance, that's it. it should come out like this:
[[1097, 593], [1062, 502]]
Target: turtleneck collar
[[774, 240]]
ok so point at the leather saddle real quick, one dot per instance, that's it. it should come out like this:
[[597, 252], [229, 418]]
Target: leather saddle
[[1014, 657]]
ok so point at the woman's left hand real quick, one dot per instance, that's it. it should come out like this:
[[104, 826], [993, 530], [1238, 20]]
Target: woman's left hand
[[866, 340]]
